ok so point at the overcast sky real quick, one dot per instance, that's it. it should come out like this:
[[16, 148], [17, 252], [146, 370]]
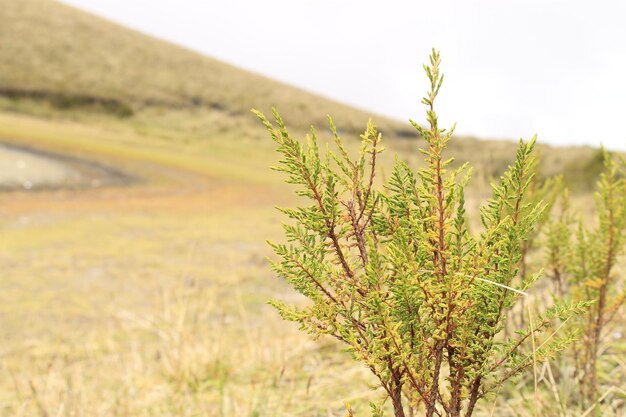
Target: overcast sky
[[513, 68]]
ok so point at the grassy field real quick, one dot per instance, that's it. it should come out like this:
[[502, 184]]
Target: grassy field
[[150, 299]]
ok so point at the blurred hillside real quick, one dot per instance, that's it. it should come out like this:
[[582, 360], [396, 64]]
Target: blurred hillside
[[57, 61], [52, 51]]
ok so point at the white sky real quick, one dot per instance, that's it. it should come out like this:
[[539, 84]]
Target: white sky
[[513, 68]]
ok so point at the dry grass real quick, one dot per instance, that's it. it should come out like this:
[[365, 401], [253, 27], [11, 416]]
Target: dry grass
[[158, 315], [150, 300]]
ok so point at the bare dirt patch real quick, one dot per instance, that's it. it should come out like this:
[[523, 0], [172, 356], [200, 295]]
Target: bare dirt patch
[[25, 168]]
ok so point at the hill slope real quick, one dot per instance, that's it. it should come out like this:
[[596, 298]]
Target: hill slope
[[48, 49], [53, 53]]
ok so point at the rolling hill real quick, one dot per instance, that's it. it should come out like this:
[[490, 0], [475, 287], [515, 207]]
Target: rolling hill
[[56, 58], [52, 51]]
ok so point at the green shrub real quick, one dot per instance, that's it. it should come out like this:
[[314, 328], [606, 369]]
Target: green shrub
[[582, 258], [396, 276]]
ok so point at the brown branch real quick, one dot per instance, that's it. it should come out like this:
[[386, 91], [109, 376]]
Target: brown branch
[[598, 324], [474, 396], [329, 225], [371, 176]]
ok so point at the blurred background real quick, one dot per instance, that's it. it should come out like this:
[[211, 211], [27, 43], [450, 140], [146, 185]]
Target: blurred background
[[136, 193]]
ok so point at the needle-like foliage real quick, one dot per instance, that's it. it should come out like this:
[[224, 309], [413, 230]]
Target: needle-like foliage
[[395, 274], [584, 259]]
